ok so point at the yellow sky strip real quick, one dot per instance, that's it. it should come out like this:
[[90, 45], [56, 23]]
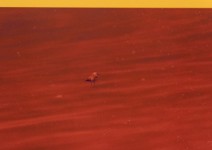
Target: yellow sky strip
[[109, 3]]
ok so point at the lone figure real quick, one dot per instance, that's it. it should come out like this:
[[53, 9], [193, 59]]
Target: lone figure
[[92, 78]]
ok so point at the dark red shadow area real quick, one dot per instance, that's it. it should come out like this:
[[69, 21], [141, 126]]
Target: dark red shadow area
[[154, 91]]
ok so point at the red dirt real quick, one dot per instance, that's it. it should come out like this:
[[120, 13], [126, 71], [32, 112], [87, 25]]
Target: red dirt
[[154, 90]]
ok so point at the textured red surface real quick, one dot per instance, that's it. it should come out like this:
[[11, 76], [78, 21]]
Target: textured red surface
[[154, 91]]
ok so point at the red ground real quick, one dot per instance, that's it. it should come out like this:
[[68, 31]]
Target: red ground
[[154, 92]]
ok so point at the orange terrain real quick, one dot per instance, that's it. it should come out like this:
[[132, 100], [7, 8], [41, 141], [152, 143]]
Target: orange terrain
[[154, 91]]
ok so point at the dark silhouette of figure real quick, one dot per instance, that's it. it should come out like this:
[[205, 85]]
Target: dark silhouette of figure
[[92, 78]]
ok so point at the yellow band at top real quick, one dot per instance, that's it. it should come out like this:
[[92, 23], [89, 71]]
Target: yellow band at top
[[109, 3]]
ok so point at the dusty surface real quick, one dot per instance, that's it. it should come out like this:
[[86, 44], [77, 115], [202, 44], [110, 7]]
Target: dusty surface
[[154, 91]]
